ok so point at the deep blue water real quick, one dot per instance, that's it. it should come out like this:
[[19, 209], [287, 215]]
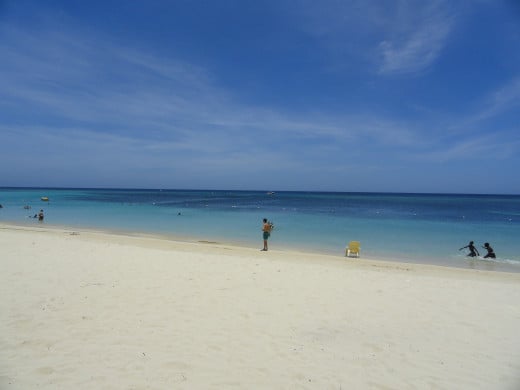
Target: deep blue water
[[409, 227]]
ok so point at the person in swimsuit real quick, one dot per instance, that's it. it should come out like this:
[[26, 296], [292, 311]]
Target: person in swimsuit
[[40, 216], [472, 250], [490, 252], [266, 229]]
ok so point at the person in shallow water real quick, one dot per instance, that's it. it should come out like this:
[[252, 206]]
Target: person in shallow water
[[472, 250], [490, 252], [266, 229]]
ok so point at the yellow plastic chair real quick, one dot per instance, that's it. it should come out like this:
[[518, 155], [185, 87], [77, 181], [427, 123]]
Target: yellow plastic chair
[[353, 249]]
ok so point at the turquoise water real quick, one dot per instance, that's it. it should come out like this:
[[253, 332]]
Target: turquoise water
[[407, 227]]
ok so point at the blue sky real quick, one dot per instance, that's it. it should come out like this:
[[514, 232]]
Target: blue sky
[[399, 96]]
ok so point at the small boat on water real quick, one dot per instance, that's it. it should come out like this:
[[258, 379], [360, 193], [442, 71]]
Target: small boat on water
[[270, 193], [44, 198]]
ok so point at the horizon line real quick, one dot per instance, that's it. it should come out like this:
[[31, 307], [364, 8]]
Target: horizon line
[[272, 192]]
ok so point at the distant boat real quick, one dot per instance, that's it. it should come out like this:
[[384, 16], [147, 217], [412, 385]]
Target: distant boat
[[270, 193], [45, 199]]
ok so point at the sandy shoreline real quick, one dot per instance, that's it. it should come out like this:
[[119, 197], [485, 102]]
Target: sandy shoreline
[[463, 263], [93, 310]]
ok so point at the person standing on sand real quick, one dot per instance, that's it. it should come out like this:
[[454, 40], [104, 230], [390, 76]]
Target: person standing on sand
[[490, 252], [266, 229], [472, 250]]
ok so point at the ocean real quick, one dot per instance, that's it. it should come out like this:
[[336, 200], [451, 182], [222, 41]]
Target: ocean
[[424, 228]]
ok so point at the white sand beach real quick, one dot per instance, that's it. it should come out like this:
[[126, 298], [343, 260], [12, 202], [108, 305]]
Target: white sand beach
[[92, 310]]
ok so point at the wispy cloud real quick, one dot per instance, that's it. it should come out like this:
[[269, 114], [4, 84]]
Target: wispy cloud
[[403, 37], [119, 111], [503, 99], [468, 148], [417, 40], [481, 132], [489, 111], [92, 83]]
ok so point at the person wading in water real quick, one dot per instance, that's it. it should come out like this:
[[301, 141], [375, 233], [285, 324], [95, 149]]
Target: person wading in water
[[266, 229]]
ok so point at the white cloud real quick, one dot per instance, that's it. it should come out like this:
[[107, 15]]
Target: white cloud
[[418, 39], [503, 99], [112, 108], [468, 148], [88, 83], [502, 102], [389, 37]]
